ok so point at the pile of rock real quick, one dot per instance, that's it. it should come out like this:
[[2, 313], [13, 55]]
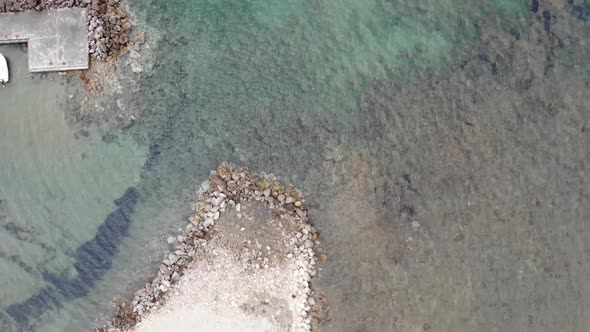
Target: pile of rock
[[108, 24], [226, 189]]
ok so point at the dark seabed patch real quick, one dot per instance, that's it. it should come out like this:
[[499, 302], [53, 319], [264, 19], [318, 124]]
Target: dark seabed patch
[[547, 20], [581, 11], [153, 157], [92, 260]]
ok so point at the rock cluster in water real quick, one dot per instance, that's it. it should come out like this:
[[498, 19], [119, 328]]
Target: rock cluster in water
[[107, 22], [225, 189]]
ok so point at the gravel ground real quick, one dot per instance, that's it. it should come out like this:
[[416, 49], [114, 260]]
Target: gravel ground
[[244, 279]]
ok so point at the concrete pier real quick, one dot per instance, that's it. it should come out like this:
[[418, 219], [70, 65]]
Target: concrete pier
[[57, 39]]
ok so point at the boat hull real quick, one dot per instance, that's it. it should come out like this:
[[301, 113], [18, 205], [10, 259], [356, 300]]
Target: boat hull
[[4, 76]]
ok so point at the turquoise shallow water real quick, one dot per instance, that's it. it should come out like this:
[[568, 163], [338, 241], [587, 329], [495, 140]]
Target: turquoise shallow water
[[55, 190], [442, 145]]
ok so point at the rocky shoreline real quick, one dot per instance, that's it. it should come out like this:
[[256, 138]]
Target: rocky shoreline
[[228, 190], [108, 22]]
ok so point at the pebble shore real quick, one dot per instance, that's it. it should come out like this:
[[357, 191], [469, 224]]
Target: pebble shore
[[230, 189], [108, 22]]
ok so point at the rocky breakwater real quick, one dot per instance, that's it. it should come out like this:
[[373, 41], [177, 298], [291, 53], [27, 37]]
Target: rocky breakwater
[[229, 252], [108, 22]]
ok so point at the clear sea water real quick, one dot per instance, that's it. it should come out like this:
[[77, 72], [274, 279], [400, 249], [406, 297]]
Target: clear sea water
[[444, 147]]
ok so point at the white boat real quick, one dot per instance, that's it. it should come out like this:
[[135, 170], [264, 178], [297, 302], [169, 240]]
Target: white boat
[[3, 70]]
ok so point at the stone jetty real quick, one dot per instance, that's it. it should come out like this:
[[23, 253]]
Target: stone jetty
[[107, 21], [56, 38], [234, 192]]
